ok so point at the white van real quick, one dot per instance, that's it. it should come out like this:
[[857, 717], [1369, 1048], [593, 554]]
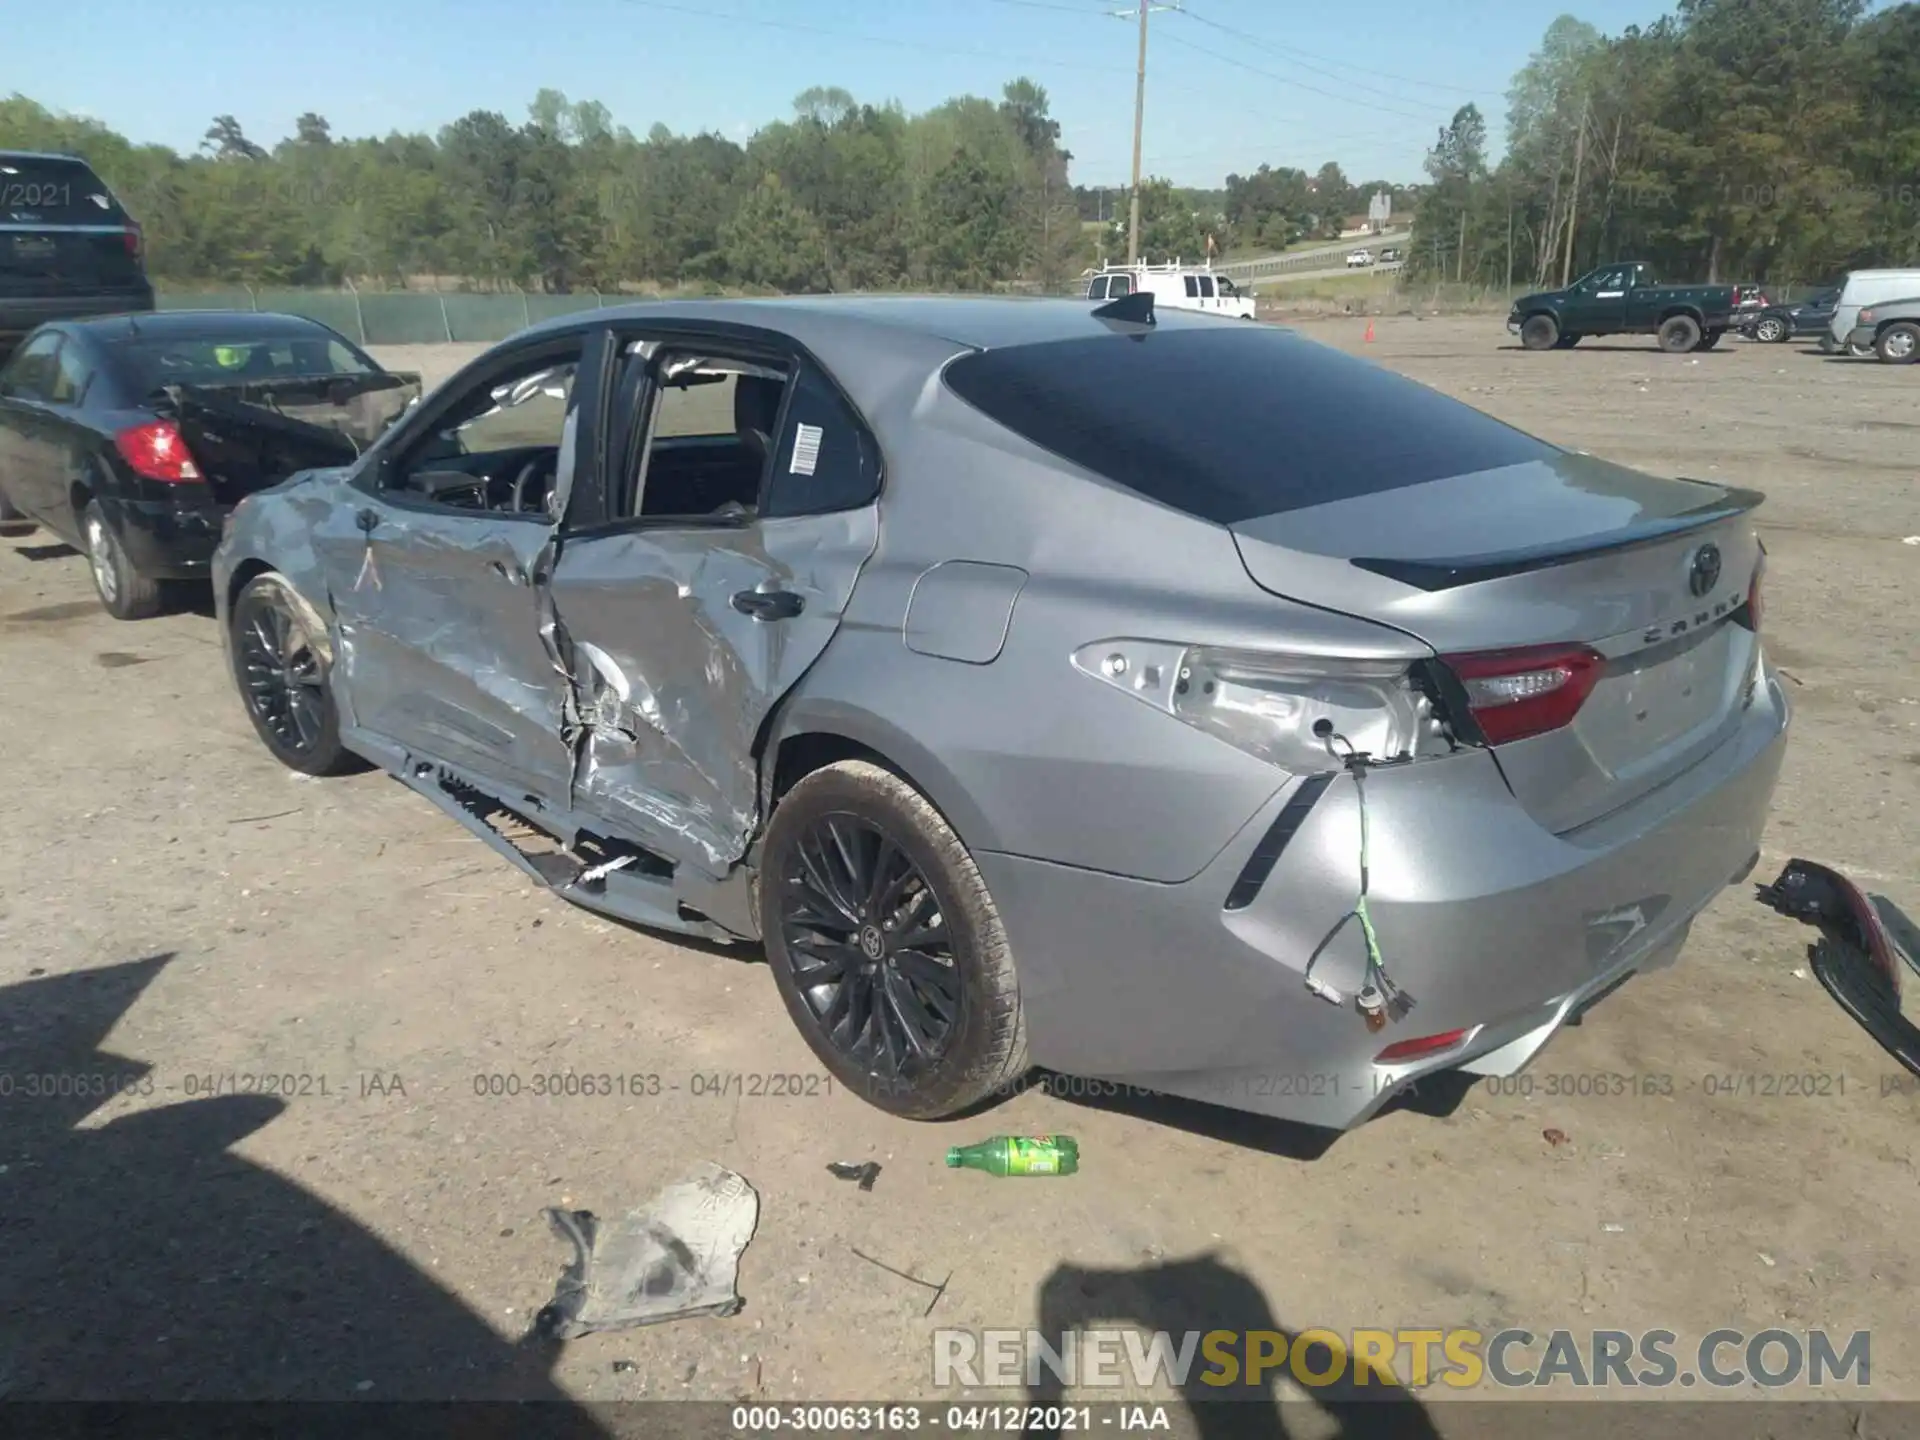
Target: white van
[[1179, 287], [1863, 288]]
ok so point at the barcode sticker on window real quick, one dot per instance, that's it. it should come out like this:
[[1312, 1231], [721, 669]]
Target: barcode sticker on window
[[806, 449]]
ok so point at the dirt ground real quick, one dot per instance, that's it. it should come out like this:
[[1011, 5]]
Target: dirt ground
[[181, 914]]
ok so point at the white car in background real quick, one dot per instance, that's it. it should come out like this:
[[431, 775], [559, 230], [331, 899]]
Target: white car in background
[[1359, 259], [1177, 286]]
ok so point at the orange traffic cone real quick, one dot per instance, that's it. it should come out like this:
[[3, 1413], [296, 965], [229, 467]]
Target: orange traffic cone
[[1369, 339]]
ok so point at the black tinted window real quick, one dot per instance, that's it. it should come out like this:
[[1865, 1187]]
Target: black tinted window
[[1233, 421], [826, 459], [30, 374], [223, 359], [54, 192]]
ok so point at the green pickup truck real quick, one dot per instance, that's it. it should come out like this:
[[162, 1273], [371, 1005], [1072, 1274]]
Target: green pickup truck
[[1624, 299]]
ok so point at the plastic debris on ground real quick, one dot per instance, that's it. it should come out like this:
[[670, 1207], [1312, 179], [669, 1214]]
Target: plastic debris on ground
[[677, 1256], [866, 1173]]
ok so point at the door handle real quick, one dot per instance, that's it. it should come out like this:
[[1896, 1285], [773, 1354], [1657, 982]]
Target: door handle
[[512, 574], [769, 604]]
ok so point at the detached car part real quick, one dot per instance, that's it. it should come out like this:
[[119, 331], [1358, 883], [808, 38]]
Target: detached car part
[[1865, 942]]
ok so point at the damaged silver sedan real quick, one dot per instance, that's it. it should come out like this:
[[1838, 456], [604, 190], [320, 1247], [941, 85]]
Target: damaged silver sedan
[[1158, 699]]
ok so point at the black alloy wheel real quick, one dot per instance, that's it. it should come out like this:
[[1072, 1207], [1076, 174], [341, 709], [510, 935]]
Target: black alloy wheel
[[283, 681], [886, 946], [869, 946]]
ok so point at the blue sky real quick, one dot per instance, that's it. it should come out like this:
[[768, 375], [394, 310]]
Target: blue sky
[[1366, 83]]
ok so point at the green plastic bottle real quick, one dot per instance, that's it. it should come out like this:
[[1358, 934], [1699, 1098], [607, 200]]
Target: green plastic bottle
[[1018, 1155]]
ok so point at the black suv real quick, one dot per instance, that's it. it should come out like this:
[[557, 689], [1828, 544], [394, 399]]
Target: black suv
[[67, 247]]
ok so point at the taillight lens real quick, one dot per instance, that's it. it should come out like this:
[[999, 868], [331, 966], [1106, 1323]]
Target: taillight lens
[[1866, 317], [1517, 694], [157, 451], [1753, 593], [1273, 705], [134, 240], [1419, 1049]]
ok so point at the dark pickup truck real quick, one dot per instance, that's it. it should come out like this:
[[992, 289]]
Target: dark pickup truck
[[1624, 299]]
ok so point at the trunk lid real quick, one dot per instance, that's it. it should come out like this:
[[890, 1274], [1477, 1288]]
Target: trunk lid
[[1562, 550], [248, 435]]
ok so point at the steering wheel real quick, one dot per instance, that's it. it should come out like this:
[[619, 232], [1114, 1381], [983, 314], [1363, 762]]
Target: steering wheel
[[528, 473]]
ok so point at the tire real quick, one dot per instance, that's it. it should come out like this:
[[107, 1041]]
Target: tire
[[982, 1046], [1540, 332], [1860, 352], [1898, 344], [1771, 330], [1679, 334], [1566, 342], [288, 695], [124, 592], [1709, 340]]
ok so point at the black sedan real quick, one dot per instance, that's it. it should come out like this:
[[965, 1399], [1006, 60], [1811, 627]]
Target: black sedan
[[131, 437], [1777, 324]]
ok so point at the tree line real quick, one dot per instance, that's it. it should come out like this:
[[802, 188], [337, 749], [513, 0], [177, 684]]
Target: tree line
[[1733, 140], [972, 194]]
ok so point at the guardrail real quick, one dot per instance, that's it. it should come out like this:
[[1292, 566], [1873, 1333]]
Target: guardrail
[[1259, 267]]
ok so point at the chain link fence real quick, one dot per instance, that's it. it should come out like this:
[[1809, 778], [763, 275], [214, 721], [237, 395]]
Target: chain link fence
[[397, 318]]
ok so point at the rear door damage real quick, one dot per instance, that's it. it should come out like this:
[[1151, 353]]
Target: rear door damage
[[1865, 942], [248, 435]]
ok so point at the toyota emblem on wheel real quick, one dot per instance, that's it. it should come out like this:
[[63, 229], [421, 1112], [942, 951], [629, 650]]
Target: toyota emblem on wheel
[[1705, 572]]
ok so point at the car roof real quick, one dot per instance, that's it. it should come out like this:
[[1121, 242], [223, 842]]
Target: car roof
[[977, 322], [41, 155], [196, 325]]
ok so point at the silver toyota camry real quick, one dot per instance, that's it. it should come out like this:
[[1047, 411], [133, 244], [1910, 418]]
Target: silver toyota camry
[[1157, 699]]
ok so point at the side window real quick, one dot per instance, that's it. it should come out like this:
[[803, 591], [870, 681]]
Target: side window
[[71, 376], [1120, 285], [827, 459], [31, 373], [1193, 287], [1228, 289], [497, 447], [1098, 289], [711, 430], [1206, 287]]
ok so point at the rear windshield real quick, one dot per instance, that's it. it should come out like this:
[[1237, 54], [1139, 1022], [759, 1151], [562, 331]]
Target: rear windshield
[[212, 360], [1233, 421], [54, 192]]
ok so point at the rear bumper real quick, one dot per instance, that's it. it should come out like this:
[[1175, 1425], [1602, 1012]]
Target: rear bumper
[[1486, 921], [167, 539], [1863, 335], [20, 314]]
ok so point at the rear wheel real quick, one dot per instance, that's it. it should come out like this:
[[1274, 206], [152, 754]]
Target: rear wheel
[[1540, 332], [283, 680], [1898, 344], [1566, 342], [1860, 352], [1679, 334], [123, 590], [886, 946], [1709, 340], [1771, 330]]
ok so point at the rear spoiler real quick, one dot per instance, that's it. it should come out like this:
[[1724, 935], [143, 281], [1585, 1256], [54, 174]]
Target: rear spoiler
[[1473, 569]]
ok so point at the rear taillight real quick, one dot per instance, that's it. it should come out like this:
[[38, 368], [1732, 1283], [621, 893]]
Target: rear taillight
[[135, 242], [1753, 593], [1419, 1049], [1866, 317], [1516, 694], [157, 451]]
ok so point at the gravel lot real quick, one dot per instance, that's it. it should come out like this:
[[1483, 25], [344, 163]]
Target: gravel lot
[[182, 914]]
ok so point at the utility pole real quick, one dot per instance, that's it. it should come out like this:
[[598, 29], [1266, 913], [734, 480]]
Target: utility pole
[[1573, 200], [1142, 9]]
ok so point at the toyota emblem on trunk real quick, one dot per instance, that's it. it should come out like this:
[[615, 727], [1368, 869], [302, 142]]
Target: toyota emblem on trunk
[[1705, 571]]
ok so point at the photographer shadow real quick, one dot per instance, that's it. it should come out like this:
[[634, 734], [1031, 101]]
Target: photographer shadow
[[1200, 1295]]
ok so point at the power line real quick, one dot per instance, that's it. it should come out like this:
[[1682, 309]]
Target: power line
[[1287, 50], [1299, 84]]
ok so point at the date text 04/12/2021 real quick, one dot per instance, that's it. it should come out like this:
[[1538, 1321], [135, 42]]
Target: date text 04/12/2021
[[571, 1085], [1012, 1419]]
